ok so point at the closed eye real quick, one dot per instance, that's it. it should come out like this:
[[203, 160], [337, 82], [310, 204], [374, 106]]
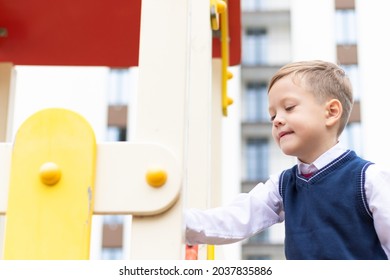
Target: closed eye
[[290, 108]]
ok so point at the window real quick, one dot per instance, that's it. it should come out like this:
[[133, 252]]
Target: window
[[115, 133], [112, 254], [252, 5], [255, 47], [346, 27], [256, 100], [113, 219], [119, 86], [256, 159], [352, 72], [262, 237], [352, 137]]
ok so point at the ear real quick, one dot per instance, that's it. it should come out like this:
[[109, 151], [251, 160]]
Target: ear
[[333, 112]]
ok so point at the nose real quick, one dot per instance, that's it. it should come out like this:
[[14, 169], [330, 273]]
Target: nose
[[278, 120]]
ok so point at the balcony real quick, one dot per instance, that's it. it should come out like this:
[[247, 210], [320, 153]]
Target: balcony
[[266, 251], [256, 129], [265, 18]]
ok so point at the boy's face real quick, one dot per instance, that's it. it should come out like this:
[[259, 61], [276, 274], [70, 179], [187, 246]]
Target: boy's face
[[299, 121]]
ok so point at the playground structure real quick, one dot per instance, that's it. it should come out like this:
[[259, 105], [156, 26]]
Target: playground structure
[[54, 176]]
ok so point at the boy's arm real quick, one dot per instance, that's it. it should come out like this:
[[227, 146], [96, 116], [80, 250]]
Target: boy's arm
[[378, 197], [247, 215]]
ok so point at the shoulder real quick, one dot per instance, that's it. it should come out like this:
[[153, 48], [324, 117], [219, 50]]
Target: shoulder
[[374, 176], [377, 174], [377, 183], [377, 190]]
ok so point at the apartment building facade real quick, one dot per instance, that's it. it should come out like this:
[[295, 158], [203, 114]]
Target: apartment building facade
[[275, 33]]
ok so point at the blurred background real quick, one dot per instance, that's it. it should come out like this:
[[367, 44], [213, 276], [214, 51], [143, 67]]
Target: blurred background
[[351, 33]]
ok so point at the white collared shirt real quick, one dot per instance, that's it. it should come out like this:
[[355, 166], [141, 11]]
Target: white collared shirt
[[262, 207], [322, 161]]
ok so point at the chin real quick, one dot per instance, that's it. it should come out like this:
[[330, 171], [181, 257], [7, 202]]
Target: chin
[[288, 150]]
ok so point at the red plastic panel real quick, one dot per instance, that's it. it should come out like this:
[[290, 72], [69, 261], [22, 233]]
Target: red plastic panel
[[70, 32], [84, 32]]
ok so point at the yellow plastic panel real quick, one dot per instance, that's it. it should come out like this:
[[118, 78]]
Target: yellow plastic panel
[[51, 219]]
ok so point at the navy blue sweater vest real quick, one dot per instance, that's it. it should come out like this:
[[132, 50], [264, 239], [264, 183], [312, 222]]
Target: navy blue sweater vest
[[326, 216]]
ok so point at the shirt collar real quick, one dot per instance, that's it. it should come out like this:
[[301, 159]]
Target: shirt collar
[[327, 157]]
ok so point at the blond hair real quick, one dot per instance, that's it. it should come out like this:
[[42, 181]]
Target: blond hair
[[324, 79]]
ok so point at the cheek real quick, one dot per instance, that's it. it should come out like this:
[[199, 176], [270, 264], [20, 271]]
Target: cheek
[[299, 121], [274, 134]]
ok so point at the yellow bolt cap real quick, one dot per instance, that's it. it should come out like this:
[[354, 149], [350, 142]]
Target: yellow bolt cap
[[156, 177], [50, 173]]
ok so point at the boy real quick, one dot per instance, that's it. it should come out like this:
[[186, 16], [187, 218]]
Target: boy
[[335, 205]]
